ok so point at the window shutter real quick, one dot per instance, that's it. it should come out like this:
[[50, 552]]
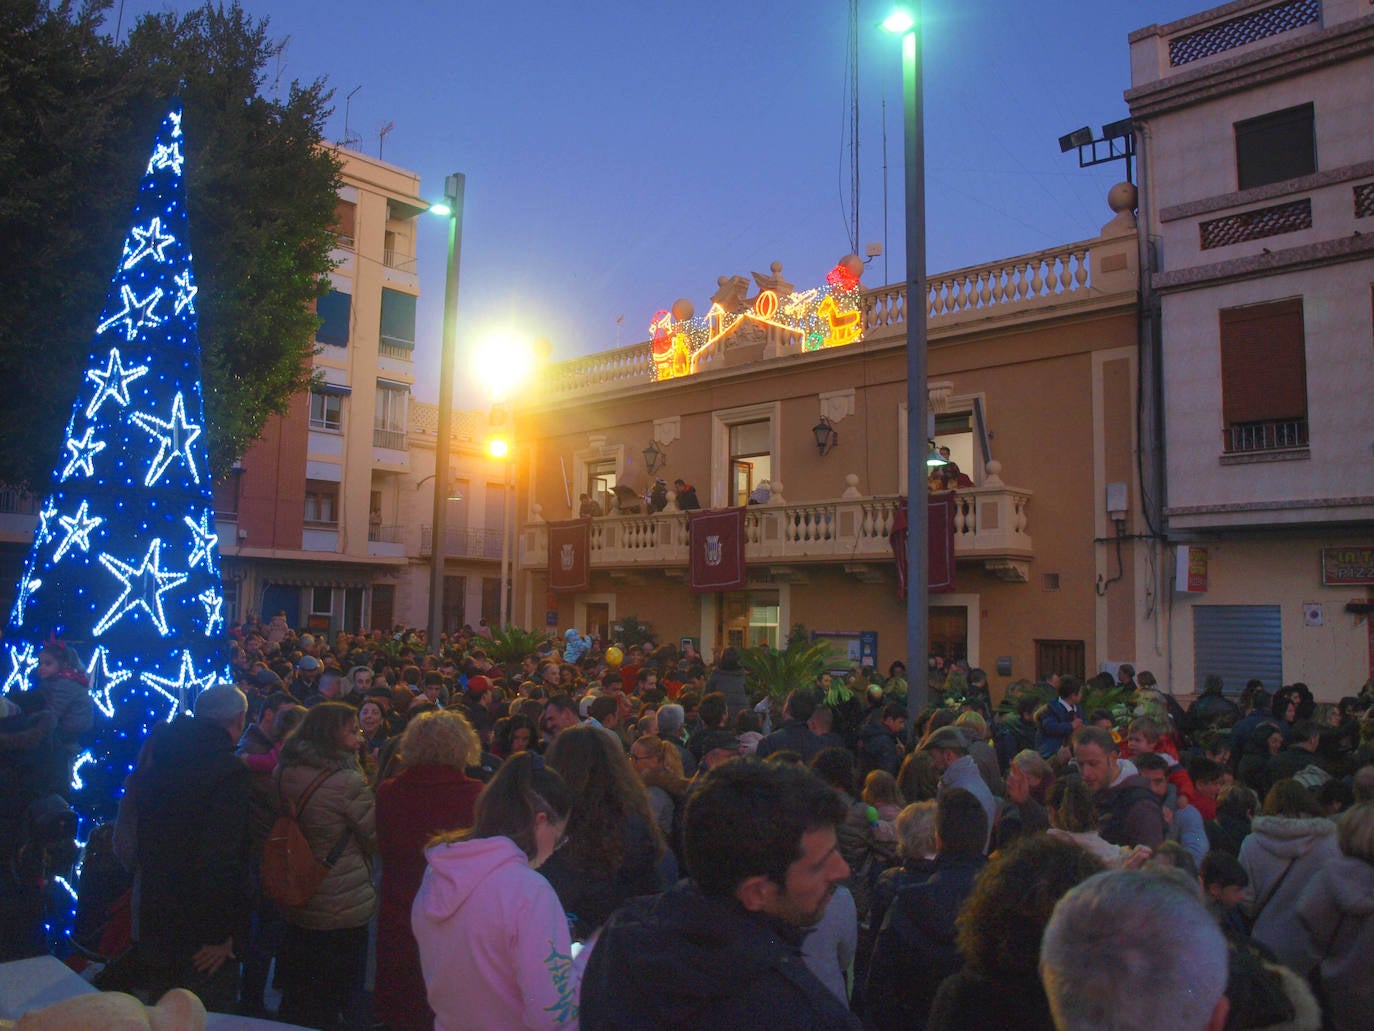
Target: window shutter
[[1263, 363], [398, 319], [334, 310]]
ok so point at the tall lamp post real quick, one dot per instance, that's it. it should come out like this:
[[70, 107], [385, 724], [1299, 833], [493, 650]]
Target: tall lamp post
[[453, 208], [906, 23]]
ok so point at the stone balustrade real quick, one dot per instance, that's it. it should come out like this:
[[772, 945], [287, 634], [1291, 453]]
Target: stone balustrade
[[990, 525], [1012, 286]]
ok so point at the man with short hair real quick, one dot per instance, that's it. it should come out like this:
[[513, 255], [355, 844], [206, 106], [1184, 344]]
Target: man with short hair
[[880, 740], [670, 720], [915, 949], [1182, 822], [1062, 716], [1128, 812], [1300, 753], [191, 807], [713, 712], [559, 714], [329, 688], [723, 947], [794, 735], [949, 755], [1167, 969]]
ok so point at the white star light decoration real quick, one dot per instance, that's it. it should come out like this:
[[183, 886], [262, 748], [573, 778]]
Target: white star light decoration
[[83, 454], [182, 690], [175, 118], [175, 437], [28, 584], [151, 242], [113, 383], [186, 292], [203, 541], [104, 680], [84, 759], [45, 519], [214, 611], [166, 157], [78, 529], [135, 314], [22, 663], [153, 584]]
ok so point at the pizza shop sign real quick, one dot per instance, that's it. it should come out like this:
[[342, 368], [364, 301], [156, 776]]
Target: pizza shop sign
[[1344, 567]]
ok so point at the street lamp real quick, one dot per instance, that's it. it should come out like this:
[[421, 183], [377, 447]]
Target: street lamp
[[452, 208], [906, 23]]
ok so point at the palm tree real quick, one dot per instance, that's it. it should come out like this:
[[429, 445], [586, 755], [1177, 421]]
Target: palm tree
[[796, 666]]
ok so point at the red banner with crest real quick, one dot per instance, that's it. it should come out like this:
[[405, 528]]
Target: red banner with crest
[[717, 543], [939, 544], [570, 555]]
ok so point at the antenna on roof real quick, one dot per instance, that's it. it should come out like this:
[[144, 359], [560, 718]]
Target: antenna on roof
[[382, 134], [350, 139]]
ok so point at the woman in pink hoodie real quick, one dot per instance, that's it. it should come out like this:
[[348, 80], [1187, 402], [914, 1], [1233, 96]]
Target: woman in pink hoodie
[[494, 942]]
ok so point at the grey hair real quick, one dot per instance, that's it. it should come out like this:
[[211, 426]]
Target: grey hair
[[1172, 962], [916, 830], [670, 718]]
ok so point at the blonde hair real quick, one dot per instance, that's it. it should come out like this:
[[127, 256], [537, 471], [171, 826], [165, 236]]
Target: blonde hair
[[880, 788], [440, 738], [1356, 831], [973, 721]]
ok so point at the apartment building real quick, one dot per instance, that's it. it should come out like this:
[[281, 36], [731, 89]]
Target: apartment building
[[1255, 138]]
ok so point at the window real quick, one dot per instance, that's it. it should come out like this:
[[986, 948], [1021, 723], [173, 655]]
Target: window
[[1275, 147], [326, 411], [495, 512], [389, 418], [600, 479], [1263, 377], [383, 605], [398, 320], [334, 310], [491, 600], [321, 601], [322, 502], [1060, 657], [455, 603], [345, 215], [1237, 643], [751, 459]]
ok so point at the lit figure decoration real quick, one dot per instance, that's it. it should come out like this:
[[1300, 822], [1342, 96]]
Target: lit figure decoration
[[124, 564]]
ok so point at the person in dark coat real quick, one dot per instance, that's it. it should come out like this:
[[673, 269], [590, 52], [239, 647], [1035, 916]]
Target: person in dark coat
[[192, 844], [432, 794], [915, 949], [794, 735], [723, 947], [728, 678], [1211, 709], [880, 740], [999, 937]]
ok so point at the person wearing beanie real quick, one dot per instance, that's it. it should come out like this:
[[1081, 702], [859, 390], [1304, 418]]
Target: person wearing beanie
[[191, 828]]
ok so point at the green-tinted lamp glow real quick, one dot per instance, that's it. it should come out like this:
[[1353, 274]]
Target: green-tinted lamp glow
[[899, 21], [440, 208]]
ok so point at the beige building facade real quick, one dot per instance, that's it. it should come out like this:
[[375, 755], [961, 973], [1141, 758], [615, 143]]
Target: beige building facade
[[1033, 384], [1254, 130]]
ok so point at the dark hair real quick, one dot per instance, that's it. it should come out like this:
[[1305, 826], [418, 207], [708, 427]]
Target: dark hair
[[606, 794], [1206, 771], [1151, 761], [747, 819], [894, 711], [1002, 920], [1287, 797], [800, 705], [275, 701], [522, 787], [837, 767], [1069, 685], [1223, 870], [1099, 736], [918, 780], [320, 733], [503, 733], [961, 822], [562, 701], [1072, 803], [712, 709], [1305, 729], [1171, 853], [729, 659], [601, 707]]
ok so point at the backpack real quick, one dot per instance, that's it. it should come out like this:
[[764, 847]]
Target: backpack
[[290, 872]]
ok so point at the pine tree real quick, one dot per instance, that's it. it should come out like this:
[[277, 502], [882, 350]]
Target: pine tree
[[124, 566]]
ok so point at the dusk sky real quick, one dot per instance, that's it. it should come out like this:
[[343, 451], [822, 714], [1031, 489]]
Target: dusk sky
[[621, 155]]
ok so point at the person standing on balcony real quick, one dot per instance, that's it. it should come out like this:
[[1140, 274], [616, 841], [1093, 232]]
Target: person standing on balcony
[[588, 507], [686, 495]]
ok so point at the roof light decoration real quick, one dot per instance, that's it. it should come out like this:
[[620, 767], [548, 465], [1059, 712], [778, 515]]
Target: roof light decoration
[[124, 564], [808, 320]]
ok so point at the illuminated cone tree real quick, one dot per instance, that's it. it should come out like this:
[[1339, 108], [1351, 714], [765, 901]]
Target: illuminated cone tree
[[125, 564]]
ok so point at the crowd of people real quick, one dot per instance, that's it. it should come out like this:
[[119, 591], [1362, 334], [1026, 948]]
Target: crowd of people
[[633, 837]]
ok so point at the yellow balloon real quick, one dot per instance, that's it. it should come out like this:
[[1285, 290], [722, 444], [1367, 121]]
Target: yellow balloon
[[614, 656]]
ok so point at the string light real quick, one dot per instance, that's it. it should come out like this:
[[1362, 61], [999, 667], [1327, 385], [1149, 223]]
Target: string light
[[124, 564]]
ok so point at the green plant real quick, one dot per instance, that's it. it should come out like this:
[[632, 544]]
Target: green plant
[[630, 631], [510, 644], [780, 672]]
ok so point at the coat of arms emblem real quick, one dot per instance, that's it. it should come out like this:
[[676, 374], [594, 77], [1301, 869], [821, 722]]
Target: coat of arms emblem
[[713, 551], [567, 556]]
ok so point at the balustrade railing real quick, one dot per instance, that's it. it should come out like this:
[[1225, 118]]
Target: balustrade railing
[[463, 543]]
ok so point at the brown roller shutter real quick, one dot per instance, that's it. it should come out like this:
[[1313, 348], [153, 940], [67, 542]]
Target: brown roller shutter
[[1263, 363]]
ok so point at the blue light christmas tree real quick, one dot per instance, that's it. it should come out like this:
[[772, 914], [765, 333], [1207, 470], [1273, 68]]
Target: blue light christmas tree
[[125, 563]]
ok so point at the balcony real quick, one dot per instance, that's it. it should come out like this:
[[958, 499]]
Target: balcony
[[463, 543], [386, 541], [990, 527], [393, 439]]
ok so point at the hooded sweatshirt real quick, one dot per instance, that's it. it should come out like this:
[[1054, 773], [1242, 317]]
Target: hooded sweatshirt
[[1336, 910], [1282, 854], [494, 943]]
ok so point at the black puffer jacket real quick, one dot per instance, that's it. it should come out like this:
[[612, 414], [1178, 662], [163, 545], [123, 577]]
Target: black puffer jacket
[[193, 838], [683, 959]]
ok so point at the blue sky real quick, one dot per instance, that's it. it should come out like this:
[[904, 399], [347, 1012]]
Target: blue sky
[[620, 154]]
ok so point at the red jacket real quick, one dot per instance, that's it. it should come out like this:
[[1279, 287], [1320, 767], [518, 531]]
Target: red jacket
[[412, 807]]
